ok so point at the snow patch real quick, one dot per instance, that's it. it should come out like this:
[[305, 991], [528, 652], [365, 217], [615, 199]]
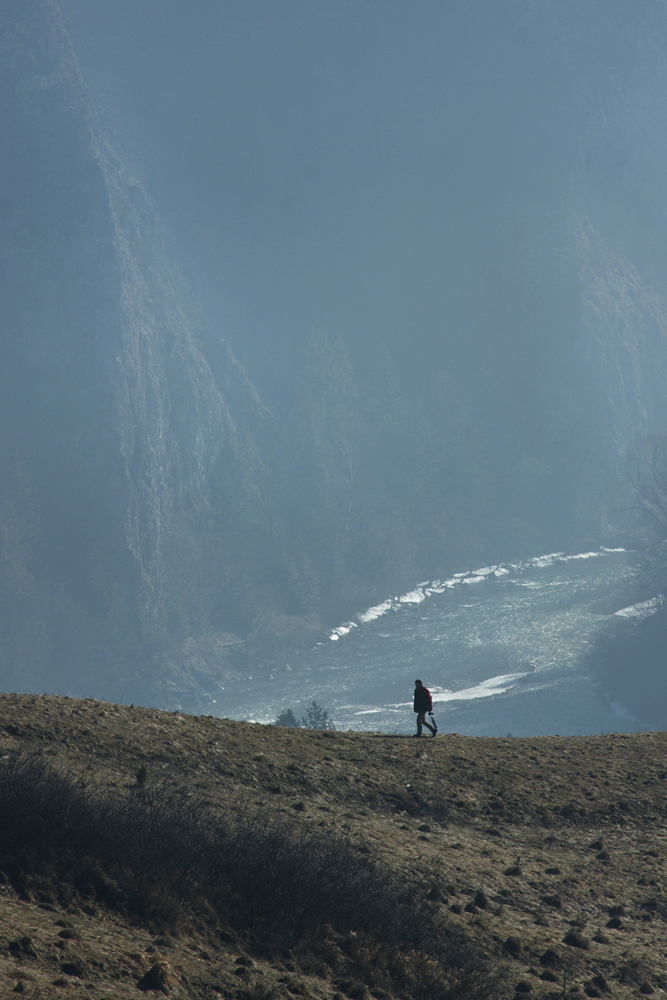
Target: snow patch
[[640, 610], [372, 613], [426, 589], [486, 689], [580, 555], [343, 630], [414, 597]]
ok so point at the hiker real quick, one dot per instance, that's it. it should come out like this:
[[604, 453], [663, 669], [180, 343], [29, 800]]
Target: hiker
[[422, 704]]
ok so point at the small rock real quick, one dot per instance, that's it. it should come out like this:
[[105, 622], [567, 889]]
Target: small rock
[[602, 856], [577, 940], [72, 969], [424, 827], [548, 976], [646, 988], [513, 870], [523, 987], [298, 807], [591, 990], [615, 923], [597, 845], [512, 945], [550, 959], [456, 908], [552, 871], [601, 983], [616, 911], [157, 978], [552, 901]]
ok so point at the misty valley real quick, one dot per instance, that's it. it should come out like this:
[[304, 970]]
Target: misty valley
[[189, 510], [510, 650]]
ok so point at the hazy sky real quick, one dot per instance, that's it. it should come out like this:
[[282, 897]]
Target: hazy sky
[[390, 171]]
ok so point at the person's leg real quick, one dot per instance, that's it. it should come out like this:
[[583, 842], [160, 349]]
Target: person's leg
[[429, 726], [420, 721]]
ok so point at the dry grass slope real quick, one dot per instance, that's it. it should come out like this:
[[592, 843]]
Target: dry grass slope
[[155, 853]]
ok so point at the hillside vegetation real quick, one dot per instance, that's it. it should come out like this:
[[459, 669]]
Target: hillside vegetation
[[144, 850]]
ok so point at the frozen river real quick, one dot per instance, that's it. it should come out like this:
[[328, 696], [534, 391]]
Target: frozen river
[[503, 650]]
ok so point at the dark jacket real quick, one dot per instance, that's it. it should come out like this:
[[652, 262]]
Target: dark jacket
[[423, 701]]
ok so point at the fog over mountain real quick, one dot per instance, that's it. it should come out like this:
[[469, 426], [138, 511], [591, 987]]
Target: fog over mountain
[[305, 302]]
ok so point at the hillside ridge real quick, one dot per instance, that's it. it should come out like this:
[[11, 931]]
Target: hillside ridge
[[522, 846]]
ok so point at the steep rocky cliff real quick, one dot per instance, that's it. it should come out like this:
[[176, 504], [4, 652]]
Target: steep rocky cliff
[[117, 444]]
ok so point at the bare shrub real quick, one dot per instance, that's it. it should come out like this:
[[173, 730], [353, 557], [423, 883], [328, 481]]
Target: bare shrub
[[288, 719], [159, 853]]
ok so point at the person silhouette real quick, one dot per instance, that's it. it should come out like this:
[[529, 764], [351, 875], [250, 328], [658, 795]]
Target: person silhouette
[[422, 704]]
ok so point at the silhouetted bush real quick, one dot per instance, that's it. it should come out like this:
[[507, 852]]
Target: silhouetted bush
[[287, 718], [316, 718], [158, 853]]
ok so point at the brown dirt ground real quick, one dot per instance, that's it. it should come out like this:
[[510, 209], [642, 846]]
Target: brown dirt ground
[[517, 820]]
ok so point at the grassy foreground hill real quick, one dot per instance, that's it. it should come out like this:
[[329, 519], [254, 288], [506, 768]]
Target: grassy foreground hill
[[145, 851]]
